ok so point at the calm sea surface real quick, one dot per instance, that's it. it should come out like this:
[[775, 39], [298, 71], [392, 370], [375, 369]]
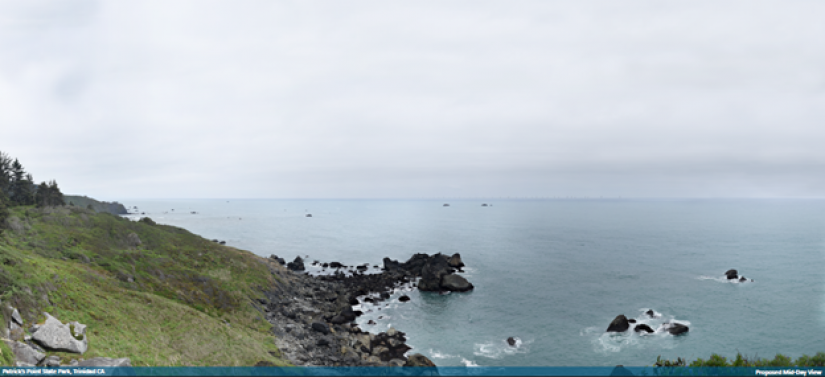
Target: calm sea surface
[[554, 273]]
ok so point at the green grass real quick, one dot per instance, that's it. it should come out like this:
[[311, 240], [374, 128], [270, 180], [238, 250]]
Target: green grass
[[716, 360], [76, 265]]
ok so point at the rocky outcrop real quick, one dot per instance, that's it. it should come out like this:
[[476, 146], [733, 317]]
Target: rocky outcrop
[[432, 272], [455, 261], [619, 324], [57, 336], [53, 335], [731, 274]]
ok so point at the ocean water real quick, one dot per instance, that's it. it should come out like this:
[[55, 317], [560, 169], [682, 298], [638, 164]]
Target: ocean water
[[554, 273]]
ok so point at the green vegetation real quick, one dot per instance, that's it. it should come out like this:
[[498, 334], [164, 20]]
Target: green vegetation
[[154, 293], [114, 208], [716, 360]]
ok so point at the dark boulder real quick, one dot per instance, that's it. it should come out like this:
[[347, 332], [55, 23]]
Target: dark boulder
[[455, 283], [455, 261], [643, 327], [404, 298], [336, 265], [338, 320], [743, 279], [677, 328], [631, 321], [296, 265], [511, 341], [619, 324], [651, 313], [731, 274], [320, 327]]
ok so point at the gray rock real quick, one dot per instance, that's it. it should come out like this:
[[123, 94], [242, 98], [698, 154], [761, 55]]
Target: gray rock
[[15, 315], [25, 353], [73, 363], [22, 364], [105, 362], [54, 335], [455, 283], [51, 361], [15, 331], [133, 240]]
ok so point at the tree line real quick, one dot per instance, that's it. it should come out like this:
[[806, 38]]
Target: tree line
[[17, 188]]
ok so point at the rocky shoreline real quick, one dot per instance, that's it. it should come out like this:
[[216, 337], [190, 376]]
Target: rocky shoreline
[[312, 317]]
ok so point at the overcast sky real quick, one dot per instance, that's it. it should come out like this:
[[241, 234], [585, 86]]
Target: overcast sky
[[416, 99]]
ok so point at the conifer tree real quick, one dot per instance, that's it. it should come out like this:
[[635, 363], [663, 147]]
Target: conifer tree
[[4, 211], [41, 197], [55, 196]]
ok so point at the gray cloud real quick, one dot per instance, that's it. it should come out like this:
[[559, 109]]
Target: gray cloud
[[425, 99]]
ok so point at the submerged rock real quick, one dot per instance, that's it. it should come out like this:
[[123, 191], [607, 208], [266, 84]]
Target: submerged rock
[[619, 324]]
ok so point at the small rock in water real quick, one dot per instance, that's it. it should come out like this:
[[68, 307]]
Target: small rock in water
[[404, 298], [631, 321], [731, 274], [619, 324], [676, 328], [643, 327], [511, 341]]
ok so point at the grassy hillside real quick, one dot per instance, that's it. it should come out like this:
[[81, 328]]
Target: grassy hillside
[[154, 293]]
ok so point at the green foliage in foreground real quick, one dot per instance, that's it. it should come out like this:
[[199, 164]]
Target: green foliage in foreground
[[716, 360], [170, 299]]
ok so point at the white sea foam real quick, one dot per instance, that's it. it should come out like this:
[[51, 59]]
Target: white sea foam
[[468, 363], [438, 355], [499, 349], [612, 342]]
